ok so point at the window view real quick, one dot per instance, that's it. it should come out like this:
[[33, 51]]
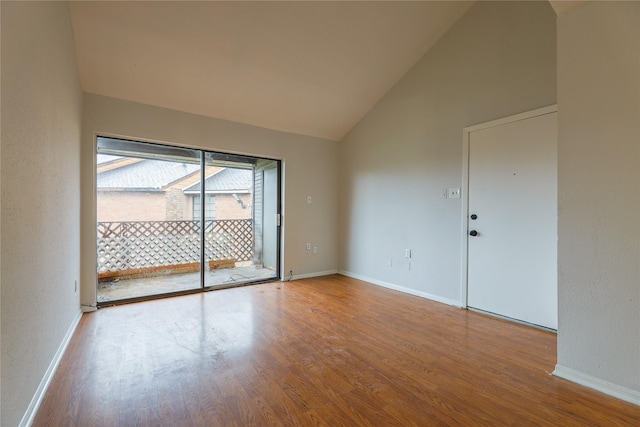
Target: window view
[[150, 225]]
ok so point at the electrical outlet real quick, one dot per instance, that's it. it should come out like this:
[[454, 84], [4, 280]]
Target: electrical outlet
[[407, 253], [308, 200], [308, 246], [454, 193]]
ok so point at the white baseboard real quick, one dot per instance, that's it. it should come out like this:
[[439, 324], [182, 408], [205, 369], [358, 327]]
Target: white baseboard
[[402, 289], [623, 393], [32, 409], [316, 274]]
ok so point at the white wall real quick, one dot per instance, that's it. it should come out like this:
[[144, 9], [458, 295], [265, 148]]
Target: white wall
[[310, 168], [499, 59], [40, 177], [599, 197]]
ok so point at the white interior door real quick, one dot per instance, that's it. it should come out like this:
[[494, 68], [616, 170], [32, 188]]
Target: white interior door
[[512, 260]]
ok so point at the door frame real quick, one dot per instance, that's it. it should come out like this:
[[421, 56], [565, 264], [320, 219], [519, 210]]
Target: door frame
[[466, 136]]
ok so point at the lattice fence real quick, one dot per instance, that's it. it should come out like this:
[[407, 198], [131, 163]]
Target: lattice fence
[[143, 244]]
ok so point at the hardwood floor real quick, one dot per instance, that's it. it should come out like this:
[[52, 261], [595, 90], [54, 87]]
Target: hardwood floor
[[330, 351]]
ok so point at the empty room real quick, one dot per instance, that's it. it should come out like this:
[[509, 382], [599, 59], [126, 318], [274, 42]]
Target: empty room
[[327, 213]]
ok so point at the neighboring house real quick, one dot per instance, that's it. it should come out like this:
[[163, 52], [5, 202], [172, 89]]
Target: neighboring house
[[137, 189], [228, 194]]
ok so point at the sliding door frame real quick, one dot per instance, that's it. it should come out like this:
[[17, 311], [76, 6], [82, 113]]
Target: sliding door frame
[[202, 161]]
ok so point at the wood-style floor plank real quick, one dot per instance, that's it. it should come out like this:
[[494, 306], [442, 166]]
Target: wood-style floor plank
[[323, 352]]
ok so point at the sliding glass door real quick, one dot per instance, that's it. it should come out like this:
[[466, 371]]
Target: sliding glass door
[[173, 220], [234, 228]]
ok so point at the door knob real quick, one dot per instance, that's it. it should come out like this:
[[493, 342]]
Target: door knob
[[473, 233]]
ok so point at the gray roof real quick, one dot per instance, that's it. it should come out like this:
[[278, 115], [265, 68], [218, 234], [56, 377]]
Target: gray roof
[[226, 180], [146, 174], [106, 158]]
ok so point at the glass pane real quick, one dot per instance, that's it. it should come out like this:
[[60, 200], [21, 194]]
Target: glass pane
[[234, 209], [148, 234]]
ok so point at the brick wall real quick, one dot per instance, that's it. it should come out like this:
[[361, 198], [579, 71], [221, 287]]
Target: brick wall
[[165, 206], [130, 206], [175, 204], [227, 207]]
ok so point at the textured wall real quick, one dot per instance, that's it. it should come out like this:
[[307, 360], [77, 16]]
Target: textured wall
[[598, 192], [499, 59], [41, 124]]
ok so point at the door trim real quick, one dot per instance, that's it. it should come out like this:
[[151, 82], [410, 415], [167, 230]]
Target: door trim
[[466, 135]]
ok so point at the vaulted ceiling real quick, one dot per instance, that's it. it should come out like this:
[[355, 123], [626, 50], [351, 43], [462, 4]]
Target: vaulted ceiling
[[313, 68]]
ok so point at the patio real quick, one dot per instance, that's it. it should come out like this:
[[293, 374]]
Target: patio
[[119, 289], [145, 258]]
